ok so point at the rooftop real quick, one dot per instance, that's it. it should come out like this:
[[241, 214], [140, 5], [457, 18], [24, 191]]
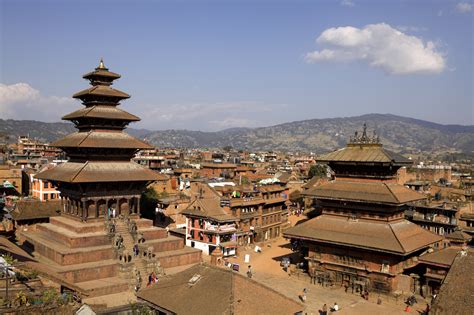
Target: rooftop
[[35, 209], [399, 237], [89, 172], [209, 208], [364, 149], [375, 192], [101, 139], [226, 292], [443, 257], [456, 295]]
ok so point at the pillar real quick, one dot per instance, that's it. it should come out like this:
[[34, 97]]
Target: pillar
[[138, 206]]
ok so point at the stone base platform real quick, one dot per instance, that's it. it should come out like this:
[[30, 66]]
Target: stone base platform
[[83, 255]]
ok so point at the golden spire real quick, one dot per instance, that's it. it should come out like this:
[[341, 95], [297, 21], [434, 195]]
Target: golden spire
[[101, 64]]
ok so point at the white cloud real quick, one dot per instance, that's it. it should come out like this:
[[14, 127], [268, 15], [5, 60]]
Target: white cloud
[[440, 13], [347, 3], [21, 101], [415, 29], [463, 7], [381, 46]]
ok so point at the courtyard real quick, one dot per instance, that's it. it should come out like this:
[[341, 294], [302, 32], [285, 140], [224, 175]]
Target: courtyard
[[267, 270]]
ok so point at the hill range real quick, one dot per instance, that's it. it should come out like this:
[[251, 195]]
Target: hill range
[[400, 134]]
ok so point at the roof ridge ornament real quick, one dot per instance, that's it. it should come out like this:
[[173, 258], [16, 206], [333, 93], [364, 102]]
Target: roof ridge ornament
[[101, 65], [364, 138]]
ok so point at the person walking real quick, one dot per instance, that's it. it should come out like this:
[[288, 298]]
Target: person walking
[[303, 296], [324, 310], [249, 272], [135, 250]]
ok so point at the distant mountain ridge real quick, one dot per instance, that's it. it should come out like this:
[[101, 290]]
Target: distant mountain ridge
[[401, 134]]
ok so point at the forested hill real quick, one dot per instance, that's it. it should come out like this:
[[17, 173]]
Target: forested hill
[[397, 133]]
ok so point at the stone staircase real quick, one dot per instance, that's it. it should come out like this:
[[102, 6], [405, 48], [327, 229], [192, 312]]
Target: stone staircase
[[138, 263]]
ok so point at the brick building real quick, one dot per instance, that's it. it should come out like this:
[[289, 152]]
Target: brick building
[[209, 226]]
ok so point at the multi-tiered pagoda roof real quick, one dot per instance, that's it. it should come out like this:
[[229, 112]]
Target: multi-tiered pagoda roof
[[100, 175], [100, 151], [364, 206]]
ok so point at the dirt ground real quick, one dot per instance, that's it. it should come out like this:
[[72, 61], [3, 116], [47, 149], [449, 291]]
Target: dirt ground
[[266, 269]]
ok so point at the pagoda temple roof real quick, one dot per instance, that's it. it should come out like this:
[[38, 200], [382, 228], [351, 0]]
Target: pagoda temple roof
[[374, 192], [101, 139], [209, 208], [101, 90], [97, 111], [90, 172], [364, 153], [398, 237], [98, 72]]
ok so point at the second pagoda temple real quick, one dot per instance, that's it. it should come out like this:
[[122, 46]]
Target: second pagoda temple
[[100, 176], [362, 239]]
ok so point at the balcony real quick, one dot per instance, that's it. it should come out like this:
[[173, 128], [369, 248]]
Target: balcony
[[435, 219], [235, 202], [221, 228]]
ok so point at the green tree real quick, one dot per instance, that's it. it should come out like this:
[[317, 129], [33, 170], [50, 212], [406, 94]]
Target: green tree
[[318, 170], [148, 203]]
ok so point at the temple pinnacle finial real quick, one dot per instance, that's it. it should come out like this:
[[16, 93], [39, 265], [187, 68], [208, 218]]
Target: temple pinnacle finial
[[101, 64]]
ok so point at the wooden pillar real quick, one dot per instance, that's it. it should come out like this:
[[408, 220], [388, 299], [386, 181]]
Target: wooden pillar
[[83, 209], [137, 200]]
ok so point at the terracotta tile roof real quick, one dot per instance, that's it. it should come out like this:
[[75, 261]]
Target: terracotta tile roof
[[98, 111], [101, 139], [456, 295], [312, 182], [88, 172], [208, 208], [374, 153], [35, 209], [101, 90], [224, 292], [459, 235], [380, 192], [444, 257], [270, 188], [399, 237], [218, 165]]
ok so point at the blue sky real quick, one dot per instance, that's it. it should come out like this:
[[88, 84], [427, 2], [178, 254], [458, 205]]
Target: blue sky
[[210, 65]]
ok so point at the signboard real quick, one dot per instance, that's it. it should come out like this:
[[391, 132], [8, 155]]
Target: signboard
[[247, 258], [235, 267]]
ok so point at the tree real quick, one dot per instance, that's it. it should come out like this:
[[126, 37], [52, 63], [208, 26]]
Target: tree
[[148, 203], [318, 170]]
